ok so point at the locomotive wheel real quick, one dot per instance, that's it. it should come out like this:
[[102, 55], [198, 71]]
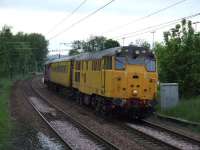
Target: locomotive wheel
[[81, 98], [93, 101], [105, 110], [77, 97], [102, 109], [87, 100], [98, 106], [57, 88]]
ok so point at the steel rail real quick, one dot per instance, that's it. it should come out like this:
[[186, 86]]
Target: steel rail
[[175, 133]]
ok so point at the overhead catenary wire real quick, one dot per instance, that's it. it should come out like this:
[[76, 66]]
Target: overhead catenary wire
[[81, 20], [155, 27], [67, 17], [144, 17]]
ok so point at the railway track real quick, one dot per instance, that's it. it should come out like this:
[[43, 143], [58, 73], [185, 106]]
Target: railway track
[[167, 137], [74, 134]]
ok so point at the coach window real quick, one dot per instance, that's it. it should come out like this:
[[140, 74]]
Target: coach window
[[86, 64], [65, 68], [82, 65], [98, 65], [92, 65], [78, 65]]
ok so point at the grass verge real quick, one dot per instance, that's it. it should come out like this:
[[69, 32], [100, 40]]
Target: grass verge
[[188, 109], [5, 122], [6, 125]]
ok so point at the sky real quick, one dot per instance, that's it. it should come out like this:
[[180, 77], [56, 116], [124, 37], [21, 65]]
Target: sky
[[40, 16]]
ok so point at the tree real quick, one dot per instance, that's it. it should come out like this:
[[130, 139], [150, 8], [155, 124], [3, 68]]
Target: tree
[[111, 43], [142, 43], [39, 45], [21, 53], [94, 44], [6, 38], [178, 58], [73, 52], [77, 45]]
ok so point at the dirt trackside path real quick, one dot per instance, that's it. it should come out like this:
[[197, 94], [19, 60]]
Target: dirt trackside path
[[29, 131]]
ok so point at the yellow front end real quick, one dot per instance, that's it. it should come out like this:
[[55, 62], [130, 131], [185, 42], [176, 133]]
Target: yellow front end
[[132, 83], [133, 89]]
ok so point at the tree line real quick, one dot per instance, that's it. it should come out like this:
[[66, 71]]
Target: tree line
[[179, 58], [22, 52]]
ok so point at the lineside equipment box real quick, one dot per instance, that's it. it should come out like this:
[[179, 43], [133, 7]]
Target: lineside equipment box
[[169, 96]]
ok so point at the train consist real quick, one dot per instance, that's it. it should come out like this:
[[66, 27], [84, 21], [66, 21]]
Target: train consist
[[120, 79]]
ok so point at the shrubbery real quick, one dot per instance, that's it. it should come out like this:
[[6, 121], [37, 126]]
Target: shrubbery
[[179, 58], [21, 53]]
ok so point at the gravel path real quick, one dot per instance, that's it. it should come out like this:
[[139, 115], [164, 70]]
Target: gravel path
[[29, 130]]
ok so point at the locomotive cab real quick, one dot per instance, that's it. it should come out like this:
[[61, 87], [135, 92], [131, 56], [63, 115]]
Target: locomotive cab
[[135, 78]]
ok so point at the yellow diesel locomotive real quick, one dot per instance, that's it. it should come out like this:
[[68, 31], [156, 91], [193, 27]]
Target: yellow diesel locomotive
[[120, 79]]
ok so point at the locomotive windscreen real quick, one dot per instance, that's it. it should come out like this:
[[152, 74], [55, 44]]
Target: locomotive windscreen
[[136, 56]]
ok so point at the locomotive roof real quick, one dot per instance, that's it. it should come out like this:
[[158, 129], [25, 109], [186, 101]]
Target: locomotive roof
[[97, 55]]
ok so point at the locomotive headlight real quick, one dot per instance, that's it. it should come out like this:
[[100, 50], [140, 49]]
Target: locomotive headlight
[[135, 92], [137, 52]]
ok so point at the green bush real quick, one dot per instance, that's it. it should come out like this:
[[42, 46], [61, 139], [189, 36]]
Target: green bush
[[178, 58]]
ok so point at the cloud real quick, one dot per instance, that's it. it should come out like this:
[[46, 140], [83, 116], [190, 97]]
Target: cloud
[[48, 5], [41, 15], [51, 5]]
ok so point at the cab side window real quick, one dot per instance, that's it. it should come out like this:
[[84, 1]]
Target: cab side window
[[119, 63]]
